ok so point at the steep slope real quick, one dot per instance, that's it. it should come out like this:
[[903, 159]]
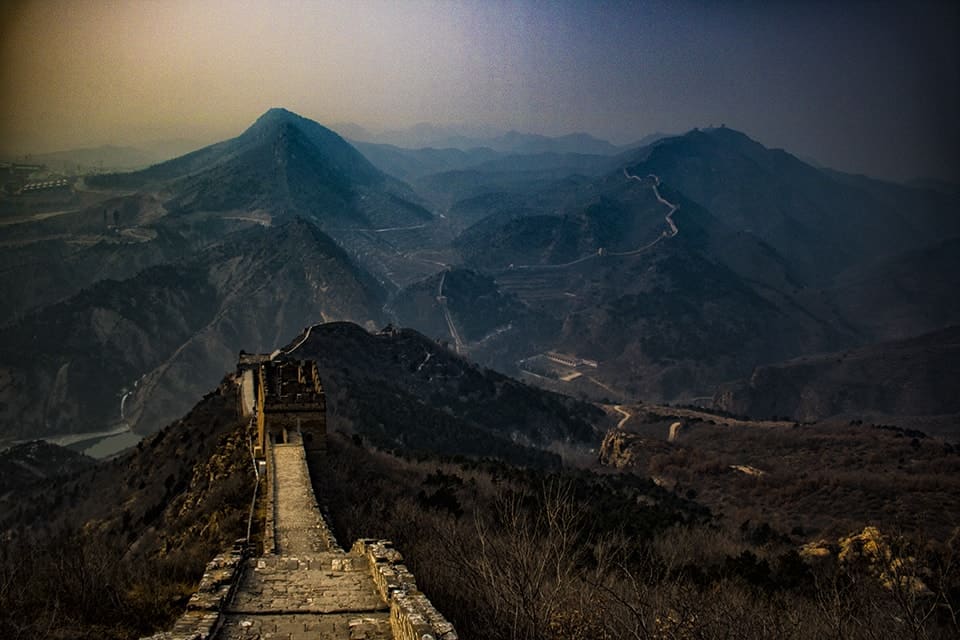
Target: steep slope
[[910, 377], [121, 545], [667, 303], [284, 164], [281, 161], [38, 273], [331, 155], [617, 221], [174, 330]]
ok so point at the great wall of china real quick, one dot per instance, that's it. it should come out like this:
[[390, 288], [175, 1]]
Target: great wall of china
[[303, 585]]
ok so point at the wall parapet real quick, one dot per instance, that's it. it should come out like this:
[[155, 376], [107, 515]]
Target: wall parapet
[[412, 615], [201, 620]]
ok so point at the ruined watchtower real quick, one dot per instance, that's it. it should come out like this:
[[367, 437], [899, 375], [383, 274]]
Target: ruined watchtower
[[291, 405]]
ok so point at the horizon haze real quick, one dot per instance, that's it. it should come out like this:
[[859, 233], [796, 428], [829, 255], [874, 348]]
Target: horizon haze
[[866, 88]]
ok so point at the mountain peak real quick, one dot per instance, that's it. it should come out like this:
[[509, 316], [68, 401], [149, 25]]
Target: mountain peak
[[278, 117], [280, 114], [326, 146]]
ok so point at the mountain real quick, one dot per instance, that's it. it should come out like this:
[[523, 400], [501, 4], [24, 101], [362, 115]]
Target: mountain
[[173, 330], [281, 167], [283, 163], [413, 164], [330, 155], [425, 135], [50, 268], [913, 377], [527, 143], [401, 390], [672, 268], [820, 221], [409, 164], [663, 312], [143, 527], [770, 256]]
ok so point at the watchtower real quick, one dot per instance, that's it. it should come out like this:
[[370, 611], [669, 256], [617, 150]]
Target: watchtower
[[291, 406]]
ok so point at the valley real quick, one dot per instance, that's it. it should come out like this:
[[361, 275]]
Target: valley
[[578, 264]]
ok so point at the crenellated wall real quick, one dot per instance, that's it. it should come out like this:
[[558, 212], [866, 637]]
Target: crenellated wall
[[412, 615]]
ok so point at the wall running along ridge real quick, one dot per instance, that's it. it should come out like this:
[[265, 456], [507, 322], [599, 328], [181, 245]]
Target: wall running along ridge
[[304, 585]]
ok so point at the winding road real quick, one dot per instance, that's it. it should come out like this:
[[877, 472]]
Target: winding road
[[382, 229], [626, 415], [458, 343]]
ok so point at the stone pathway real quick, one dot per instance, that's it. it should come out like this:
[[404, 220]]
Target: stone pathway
[[308, 588], [298, 526]]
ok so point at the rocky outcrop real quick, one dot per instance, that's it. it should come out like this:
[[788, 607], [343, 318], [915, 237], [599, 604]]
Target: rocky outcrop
[[619, 448]]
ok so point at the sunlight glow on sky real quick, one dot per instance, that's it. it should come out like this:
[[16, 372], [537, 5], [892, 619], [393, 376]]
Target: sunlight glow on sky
[[867, 86]]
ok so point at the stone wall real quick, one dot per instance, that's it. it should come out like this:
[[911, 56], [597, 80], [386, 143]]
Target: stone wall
[[304, 583], [201, 620], [412, 615]]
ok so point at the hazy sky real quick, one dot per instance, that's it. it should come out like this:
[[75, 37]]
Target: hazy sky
[[868, 86]]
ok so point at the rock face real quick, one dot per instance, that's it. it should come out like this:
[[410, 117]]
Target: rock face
[[619, 448], [907, 377]]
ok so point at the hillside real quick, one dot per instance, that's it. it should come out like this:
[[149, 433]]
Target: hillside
[[284, 166], [139, 529], [31, 463], [173, 330], [401, 390], [479, 531], [903, 295], [673, 268], [913, 377], [496, 327], [666, 314]]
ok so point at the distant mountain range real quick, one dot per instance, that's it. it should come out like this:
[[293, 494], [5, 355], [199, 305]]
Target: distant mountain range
[[675, 268], [466, 138], [107, 157]]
